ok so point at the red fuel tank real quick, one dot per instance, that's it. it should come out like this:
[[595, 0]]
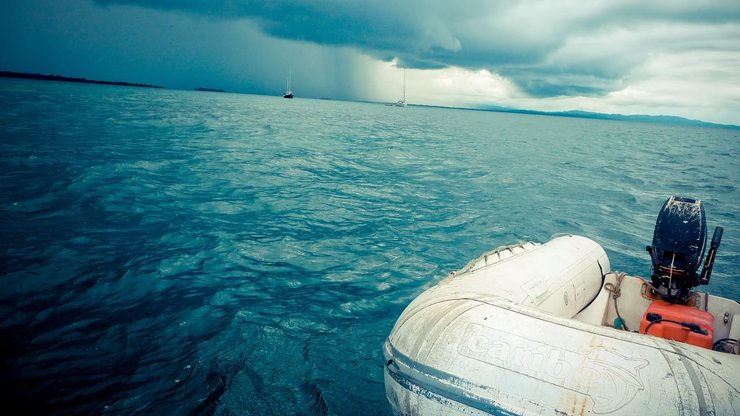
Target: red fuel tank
[[679, 322]]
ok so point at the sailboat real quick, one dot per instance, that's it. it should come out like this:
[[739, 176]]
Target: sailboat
[[402, 103], [288, 92]]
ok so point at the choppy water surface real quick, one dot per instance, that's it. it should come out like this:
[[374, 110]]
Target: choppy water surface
[[175, 252]]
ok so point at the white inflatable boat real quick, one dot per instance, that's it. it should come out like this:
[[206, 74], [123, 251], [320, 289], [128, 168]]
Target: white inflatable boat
[[548, 329]]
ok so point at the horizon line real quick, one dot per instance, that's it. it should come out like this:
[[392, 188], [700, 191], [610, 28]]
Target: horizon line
[[658, 119]]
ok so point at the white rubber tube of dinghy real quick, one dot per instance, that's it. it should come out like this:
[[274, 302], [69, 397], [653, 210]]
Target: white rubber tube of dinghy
[[561, 276]]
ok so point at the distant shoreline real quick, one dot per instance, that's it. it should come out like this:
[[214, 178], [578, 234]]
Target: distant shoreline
[[208, 89], [659, 119], [634, 118], [23, 75]]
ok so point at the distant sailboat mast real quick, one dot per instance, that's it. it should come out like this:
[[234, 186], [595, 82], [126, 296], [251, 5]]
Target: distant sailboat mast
[[404, 86], [402, 103], [288, 92]]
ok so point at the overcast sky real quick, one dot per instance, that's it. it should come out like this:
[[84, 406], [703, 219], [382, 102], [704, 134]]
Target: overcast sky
[[669, 57]]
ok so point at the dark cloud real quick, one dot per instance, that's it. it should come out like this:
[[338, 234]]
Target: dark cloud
[[545, 48], [520, 40], [662, 57]]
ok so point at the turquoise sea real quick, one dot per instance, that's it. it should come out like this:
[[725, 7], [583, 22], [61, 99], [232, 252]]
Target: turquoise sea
[[174, 252]]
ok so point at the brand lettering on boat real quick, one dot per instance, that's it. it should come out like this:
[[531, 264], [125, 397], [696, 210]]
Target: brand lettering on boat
[[608, 378]]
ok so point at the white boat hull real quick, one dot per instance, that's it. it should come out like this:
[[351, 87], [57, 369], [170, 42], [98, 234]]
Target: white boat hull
[[490, 340]]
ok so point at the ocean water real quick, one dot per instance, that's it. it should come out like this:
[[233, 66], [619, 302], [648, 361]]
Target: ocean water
[[175, 252]]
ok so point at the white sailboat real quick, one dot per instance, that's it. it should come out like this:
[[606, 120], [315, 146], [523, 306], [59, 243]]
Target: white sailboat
[[288, 92], [402, 103]]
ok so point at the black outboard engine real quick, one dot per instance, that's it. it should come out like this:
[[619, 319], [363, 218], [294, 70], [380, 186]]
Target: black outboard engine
[[678, 247]]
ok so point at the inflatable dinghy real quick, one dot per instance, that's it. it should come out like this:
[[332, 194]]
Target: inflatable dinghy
[[549, 329]]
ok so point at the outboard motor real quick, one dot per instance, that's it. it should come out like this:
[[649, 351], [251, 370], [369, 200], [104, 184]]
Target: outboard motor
[[678, 246]]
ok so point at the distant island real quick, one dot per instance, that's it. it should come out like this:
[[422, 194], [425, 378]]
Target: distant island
[[208, 89], [598, 116], [23, 75], [618, 117]]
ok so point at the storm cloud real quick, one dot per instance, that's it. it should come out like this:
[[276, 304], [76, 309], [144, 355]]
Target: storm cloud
[[665, 57], [546, 48]]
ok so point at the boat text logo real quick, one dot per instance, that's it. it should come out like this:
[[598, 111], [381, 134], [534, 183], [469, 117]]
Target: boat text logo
[[608, 378]]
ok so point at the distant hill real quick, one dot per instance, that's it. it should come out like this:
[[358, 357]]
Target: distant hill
[[598, 116], [208, 89], [9, 74], [617, 117]]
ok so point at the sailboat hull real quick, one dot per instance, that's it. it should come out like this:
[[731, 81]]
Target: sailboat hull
[[288, 91]]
